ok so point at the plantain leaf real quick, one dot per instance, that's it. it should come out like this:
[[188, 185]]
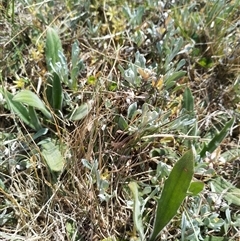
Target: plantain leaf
[[34, 118], [57, 93], [17, 108], [52, 155], [31, 99], [53, 45], [174, 191]]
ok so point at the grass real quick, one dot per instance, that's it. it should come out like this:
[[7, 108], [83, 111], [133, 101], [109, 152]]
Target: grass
[[105, 106]]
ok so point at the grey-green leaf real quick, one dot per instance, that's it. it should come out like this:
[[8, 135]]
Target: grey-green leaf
[[52, 155], [137, 216], [171, 78], [225, 188], [80, 112]]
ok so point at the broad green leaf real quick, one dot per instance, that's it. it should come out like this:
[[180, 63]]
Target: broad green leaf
[[31, 99], [52, 155], [174, 192], [70, 228], [137, 216], [188, 101], [217, 139], [225, 188], [17, 108], [195, 188], [112, 86], [80, 112], [53, 45]]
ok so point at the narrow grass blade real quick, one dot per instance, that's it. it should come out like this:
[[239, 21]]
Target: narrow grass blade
[[174, 191], [217, 139], [137, 216]]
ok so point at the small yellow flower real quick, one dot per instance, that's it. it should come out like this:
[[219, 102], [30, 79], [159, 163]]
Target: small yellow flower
[[20, 82], [40, 47], [105, 175], [159, 83]]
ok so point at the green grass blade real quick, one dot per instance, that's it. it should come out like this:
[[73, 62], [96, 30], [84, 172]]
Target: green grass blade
[[174, 191], [217, 139]]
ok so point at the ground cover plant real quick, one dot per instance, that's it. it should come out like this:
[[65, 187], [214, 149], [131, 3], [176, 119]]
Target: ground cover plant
[[119, 120]]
